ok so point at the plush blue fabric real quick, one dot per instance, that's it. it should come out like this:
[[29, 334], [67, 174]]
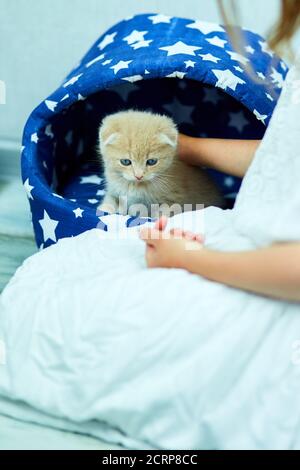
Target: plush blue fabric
[[185, 68]]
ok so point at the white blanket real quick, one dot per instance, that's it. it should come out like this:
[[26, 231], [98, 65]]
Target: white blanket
[[168, 359]]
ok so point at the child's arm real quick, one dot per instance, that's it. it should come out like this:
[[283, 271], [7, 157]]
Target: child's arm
[[229, 156], [273, 271]]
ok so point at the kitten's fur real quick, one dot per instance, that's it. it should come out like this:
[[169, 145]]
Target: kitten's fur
[[139, 136]]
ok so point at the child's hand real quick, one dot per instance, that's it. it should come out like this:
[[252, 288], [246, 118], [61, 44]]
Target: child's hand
[[168, 249]]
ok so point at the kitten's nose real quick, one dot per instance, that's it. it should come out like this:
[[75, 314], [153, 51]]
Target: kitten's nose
[[139, 178]]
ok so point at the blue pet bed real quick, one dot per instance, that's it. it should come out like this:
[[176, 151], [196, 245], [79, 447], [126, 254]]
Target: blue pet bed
[[184, 68]]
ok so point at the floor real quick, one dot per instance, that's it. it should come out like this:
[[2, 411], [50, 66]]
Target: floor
[[16, 235]]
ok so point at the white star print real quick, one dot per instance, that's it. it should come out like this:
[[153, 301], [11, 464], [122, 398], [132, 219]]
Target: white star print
[[227, 79], [269, 97], [160, 19], [116, 225], [147, 72], [206, 27], [238, 121], [92, 179], [48, 226], [34, 138], [106, 62], [277, 78], [260, 117], [57, 195], [97, 59], [134, 78], [180, 48], [261, 75], [93, 201], [283, 65], [48, 131], [209, 58], [211, 95], [239, 69], [51, 105], [100, 192], [108, 39], [28, 188], [139, 45], [265, 48], [65, 97], [72, 80], [81, 98], [121, 65], [238, 57], [176, 74], [78, 212], [250, 49], [135, 36], [189, 63], [216, 41]]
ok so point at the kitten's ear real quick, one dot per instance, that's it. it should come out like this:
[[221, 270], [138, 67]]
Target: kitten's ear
[[108, 139], [169, 138], [107, 133]]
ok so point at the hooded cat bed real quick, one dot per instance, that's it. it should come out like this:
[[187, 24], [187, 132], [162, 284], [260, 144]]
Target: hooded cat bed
[[184, 68]]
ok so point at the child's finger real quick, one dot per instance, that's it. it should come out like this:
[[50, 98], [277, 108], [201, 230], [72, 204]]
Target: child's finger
[[149, 235], [177, 232], [161, 223], [200, 238], [190, 236]]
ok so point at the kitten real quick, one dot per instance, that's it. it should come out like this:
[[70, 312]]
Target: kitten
[[143, 171]]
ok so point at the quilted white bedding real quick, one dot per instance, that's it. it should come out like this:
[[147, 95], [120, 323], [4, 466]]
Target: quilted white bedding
[[21, 435], [167, 359]]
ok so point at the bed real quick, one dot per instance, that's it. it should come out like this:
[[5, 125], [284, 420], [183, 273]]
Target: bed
[[184, 68]]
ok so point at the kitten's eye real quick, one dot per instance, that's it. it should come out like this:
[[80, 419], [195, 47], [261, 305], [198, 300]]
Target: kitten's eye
[[125, 162], [152, 161]]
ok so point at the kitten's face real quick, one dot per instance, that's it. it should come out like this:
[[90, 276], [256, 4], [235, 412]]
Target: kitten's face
[[138, 146]]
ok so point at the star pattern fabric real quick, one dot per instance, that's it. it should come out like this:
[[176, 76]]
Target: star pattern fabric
[[210, 58], [48, 227], [205, 27], [184, 68], [227, 79], [78, 212], [180, 48], [238, 121], [28, 188], [122, 64]]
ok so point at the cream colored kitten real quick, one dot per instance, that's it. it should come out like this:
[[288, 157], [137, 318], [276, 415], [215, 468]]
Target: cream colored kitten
[[143, 171]]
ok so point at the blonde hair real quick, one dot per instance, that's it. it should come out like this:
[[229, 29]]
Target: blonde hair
[[287, 25], [280, 36]]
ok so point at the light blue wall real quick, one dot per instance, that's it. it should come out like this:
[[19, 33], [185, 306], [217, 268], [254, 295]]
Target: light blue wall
[[40, 40]]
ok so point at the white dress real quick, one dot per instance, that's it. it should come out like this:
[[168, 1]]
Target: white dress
[[167, 359]]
